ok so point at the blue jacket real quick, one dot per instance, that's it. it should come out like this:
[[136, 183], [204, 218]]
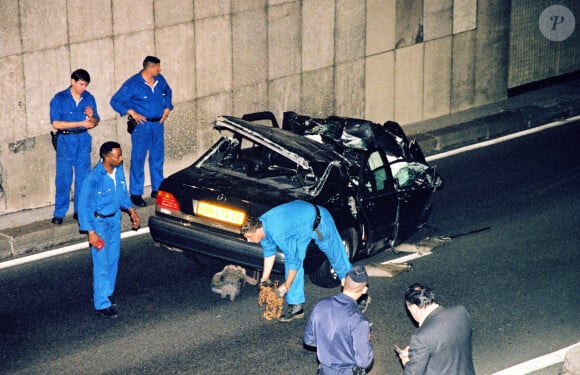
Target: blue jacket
[[64, 108], [102, 195], [340, 332], [136, 94], [289, 227]]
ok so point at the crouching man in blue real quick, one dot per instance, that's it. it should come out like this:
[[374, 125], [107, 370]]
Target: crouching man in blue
[[340, 331], [290, 227], [103, 195]]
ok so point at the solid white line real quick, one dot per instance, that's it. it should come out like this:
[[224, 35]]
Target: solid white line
[[407, 258], [64, 250], [537, 363], [501, 139]]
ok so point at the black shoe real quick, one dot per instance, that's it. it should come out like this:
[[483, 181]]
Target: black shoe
[[113, 304], [364, 302], [138, 201], [154, 194], [76, 216], [292, 312], [109, 312], [57, 220]]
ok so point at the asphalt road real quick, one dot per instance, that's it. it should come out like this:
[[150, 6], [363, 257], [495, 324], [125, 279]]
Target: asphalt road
[[518, 275]]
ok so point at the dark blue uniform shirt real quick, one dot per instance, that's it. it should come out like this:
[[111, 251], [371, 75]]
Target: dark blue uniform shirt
[[340, 332], [64, 108], [136, 94]]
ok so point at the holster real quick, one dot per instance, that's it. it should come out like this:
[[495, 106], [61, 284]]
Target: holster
[[131, 124], [54, 138]]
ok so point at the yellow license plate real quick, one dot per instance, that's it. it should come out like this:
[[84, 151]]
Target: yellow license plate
[[221, 213]]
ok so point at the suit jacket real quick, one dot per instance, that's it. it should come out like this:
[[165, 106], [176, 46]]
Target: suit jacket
[[442, 344]]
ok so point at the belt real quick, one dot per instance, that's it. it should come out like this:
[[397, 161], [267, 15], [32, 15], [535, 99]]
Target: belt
[[155, 119], [101, 216], [325, 370], [67, 132], [317, 222]]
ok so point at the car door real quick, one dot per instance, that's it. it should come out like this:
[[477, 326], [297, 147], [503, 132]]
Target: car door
[[414, 204], [378, 200]]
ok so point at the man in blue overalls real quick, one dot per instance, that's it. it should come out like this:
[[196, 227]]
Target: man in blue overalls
[[103, 195], [146, 98], [290, 227], [72, 112]]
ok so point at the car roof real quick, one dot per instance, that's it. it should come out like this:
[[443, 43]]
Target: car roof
[[298, 148]]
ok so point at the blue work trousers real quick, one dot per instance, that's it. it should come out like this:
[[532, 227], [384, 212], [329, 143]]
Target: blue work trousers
[[106, 260], [295, 294], [147, 137], [73, 153], [331, 245]]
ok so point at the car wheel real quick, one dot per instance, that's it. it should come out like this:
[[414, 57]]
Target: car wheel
[[325, 276]]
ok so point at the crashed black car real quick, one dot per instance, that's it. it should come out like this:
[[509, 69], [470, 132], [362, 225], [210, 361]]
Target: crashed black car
[[374, 181]]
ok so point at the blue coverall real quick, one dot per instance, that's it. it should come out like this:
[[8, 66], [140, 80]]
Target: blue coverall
[[150, 102], [104, 195], [289, 227], [73, 150]]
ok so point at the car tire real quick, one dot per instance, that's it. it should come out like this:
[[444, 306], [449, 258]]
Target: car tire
[[325, 276]]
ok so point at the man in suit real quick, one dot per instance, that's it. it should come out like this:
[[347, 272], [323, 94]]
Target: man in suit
[[442, 342]]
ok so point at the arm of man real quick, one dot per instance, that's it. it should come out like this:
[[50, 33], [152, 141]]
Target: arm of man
[[268, 266], [126, 203], [165, 115], [88, 123], [56, 117], [290, 278], [135, 219], [309, 334], [122, 103], [418, 355], [91, 109], [87, 210], [363, 348]]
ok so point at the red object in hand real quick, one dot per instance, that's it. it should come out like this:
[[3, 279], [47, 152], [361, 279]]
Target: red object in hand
[[100, 244]]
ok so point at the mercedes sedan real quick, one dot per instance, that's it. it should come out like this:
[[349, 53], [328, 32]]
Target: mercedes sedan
[[374, 181]]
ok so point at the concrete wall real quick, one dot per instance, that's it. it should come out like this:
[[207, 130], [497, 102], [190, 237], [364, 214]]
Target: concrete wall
[[405, 60]]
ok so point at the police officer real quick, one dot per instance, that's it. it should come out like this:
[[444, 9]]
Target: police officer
[[72, 112], [103, 195], [146, 97]]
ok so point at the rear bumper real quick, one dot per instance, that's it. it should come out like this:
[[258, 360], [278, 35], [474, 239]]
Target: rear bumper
[[206, 241]]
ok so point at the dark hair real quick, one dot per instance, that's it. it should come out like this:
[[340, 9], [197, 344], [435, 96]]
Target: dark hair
[[150, 60], [251, 225], [420, 295], [81, 75], [107, 147]]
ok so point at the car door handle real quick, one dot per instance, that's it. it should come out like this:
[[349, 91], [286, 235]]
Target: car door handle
[[405, 197]]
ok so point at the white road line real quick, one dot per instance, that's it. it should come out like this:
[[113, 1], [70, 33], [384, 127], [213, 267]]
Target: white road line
[[63, 250], [407, 258], [537, 363], [501, 139]]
